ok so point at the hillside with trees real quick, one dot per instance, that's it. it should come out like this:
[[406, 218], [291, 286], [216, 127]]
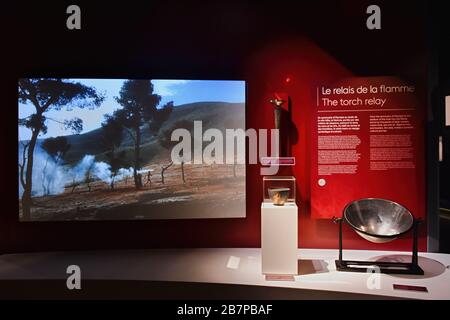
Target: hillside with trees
[[123, 169]]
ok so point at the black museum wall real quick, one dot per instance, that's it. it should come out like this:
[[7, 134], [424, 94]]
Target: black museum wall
[[189, 40]]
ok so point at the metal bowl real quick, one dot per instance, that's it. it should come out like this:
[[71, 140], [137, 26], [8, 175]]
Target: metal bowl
[[279, 196], [378, 220]]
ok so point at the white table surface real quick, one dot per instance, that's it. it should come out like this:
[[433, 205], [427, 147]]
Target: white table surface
[[317, 270]]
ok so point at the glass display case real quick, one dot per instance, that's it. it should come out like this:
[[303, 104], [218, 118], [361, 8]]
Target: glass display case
[[279, 190]]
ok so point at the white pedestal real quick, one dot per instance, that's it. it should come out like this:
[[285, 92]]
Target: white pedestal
[[279, 239]]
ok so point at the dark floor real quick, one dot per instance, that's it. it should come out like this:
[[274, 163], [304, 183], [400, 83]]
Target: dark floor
[[143, 290]]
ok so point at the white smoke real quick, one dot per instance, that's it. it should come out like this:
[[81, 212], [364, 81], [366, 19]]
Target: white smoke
[[48, 176], [100, 170], [123, 173], [51, 178], [78, 172]]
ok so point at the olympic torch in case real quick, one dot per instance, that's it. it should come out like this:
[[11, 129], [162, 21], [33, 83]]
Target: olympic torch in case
[[279, 226]]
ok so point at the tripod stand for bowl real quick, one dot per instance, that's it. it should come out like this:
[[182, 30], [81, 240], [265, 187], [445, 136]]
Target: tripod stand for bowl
[[370, 218]]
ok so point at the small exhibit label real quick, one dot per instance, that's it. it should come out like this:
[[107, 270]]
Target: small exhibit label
[[410, 288], [279, 277], [278, 161]]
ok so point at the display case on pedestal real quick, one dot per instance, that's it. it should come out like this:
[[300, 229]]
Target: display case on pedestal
[[279, 230]]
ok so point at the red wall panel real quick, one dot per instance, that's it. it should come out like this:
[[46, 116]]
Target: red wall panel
[[306, 65]]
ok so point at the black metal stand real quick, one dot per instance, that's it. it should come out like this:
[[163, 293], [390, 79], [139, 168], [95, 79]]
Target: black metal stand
[[384, 267]]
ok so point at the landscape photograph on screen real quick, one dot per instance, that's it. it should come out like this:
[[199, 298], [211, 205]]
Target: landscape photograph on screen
[[101, 149]]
